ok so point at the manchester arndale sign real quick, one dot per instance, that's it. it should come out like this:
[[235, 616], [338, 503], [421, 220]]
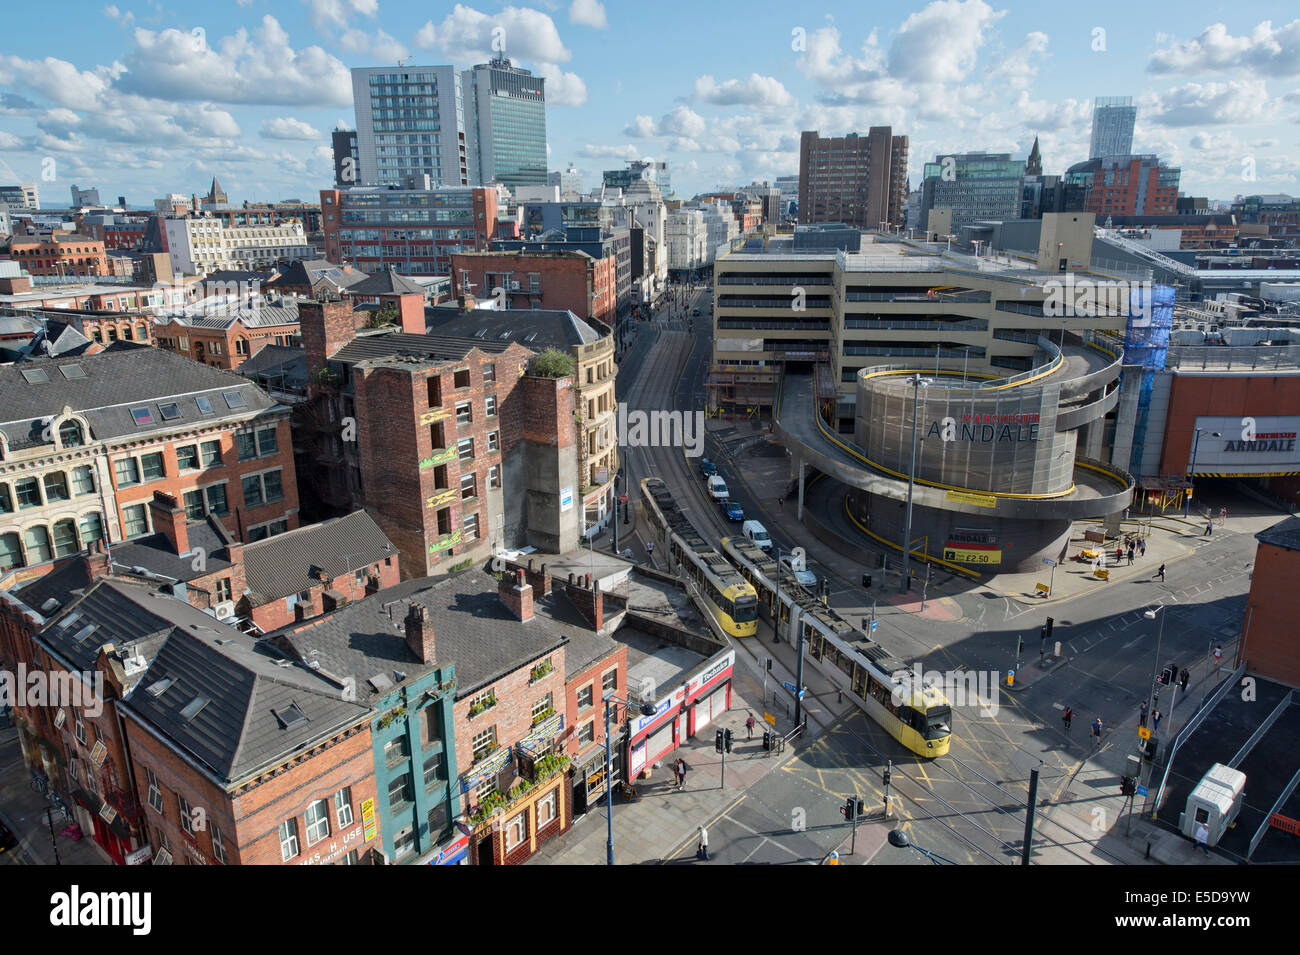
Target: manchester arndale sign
[[1265, 444], [987, 428]]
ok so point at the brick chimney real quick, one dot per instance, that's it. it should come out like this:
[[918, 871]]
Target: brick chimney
[[326, 327], [96, 561], [517, 594], [169, 520], [419, 633], [588, 602], [410, 309]]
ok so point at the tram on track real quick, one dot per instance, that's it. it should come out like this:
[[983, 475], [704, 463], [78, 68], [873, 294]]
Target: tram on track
[[916, 714], [731, 597]]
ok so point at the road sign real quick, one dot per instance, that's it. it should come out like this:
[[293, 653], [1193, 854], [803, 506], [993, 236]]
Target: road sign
[[1049, 562], [1144, 733], [769, 719], [1142, 791], [622, 498], [791, 688], [874, 625]]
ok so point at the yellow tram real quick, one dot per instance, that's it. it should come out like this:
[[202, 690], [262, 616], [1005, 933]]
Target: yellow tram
[[916, 714], [732, 598]]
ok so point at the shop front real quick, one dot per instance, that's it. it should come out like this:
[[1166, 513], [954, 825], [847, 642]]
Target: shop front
[[589, 775], [708, 694]]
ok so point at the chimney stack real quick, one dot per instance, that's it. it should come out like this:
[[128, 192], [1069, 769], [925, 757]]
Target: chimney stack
[[419, 633], [517, 594], [169, 520]]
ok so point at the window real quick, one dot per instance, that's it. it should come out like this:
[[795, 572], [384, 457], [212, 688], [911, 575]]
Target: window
[[489, 373], [543, 708], [485, 789], [490, 405], [28, 491], [83, 481], [318, 821], [484, 743], [11, 552], [71, 435], [142, 416], [516, 830], [205, 405], [547, 808], [399, 791], [343, 807], [464, 413], [6, 502], [494, 440], [432, 772], [288, 839], [241, 346], [609, 683], [468, 486], [216, 494], [80, 729], [211, 453], [155, 791], [187, 457], [194, 508], [187, 821], [92, 529], [586, 696], [465, 449], [252, 491], [461, 379], [245, 445], [134, 521], [127, 472], [65, 538], [588, 733], [151, 466], [56, 486], [271, 487], [266, 442], [170, 411], [435, 390], [469, 527], [404, 843], [395, 751], [38, 544], [218, 845]]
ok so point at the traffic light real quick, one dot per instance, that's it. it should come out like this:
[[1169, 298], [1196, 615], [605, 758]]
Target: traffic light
[[726, 740], [1042, 634], [1048, 629], [767, 740], [866, 580], [859, 808], [887, 777], [717, 741], [847, 810], [1164, 676], [1127, 786], [769, 664], [1020, 645]]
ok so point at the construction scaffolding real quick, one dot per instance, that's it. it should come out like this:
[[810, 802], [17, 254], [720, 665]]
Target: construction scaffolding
[[1146, 343], [747, 392]]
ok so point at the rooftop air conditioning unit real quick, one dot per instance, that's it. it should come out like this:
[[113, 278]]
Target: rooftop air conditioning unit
[[225, 610]]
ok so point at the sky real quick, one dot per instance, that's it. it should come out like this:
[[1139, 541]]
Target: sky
[[145, 98]]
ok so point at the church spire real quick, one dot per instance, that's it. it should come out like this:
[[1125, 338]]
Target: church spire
[[1034, 167]]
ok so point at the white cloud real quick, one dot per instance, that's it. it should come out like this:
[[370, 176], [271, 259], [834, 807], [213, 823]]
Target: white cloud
[[764, 92], [940, 43], [426, 37], [562, 89], [259, 68], [1236, 102], [682, 121], [286, 127], [113, 13], [339, 13], [1265, 51], [58, 80], [1019, 69], [380, 47], [589, 13], [468, 36], [610, 152]]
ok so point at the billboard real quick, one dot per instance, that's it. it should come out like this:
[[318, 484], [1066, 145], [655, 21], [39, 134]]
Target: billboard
[[1263, 444]]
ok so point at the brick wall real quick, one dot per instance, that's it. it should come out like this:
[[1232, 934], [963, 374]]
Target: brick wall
[[593, 676], [276, 614], [326, 327], [1270, 646]]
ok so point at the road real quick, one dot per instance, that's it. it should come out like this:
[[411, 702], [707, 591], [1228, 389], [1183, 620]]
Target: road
[[970, 805]]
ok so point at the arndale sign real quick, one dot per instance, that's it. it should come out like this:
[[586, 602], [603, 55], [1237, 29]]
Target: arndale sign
[[1017, 426]]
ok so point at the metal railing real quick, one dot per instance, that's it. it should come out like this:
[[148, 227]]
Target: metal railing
[[1264, 826], [1243, 357], [1146, 252], [1203, 711], [1262, 729]]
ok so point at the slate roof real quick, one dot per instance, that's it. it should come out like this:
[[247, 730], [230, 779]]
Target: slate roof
[[277, 363], [155, 554], [472, 630], [281, 565], [403, 344], [1284, 534], [316, 274], [550, 328], [221, 314], [59, 584], [247, 725], [121, 613], [105, 387], [387, 282]]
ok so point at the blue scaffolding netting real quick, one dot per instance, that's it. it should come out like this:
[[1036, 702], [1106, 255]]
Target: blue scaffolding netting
[[1146, 343]]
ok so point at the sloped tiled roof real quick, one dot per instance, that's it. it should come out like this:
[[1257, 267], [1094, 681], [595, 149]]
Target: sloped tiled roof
[[549, 328], [386, 282], [155, 554], [281, 565], [402, 344]]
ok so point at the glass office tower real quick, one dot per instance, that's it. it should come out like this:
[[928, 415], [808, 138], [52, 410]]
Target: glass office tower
[[506, 115]]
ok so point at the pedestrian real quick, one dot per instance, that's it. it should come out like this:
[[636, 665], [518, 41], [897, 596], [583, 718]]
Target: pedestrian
[[1142, 714], [1218, 655], [1209, 529], [1119, 555], [1096, 731], [1223, 516], [1131, 549], [1161, 572], [1203, 838], [780, 503], [749, 727], [684, 769], [1155, 720], [1142, 547], [1183, 678], [702, 853], [1066, 717]]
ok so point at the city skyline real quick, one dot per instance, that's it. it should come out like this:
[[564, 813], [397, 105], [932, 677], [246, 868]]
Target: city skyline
[[249, 91]]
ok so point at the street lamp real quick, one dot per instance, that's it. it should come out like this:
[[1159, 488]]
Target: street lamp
[[646, 710], [899, 840], [1191, 477], [1160, 634], [917, 384]]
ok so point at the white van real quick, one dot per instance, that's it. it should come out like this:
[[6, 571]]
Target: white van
[[718, 488], [757, 533]]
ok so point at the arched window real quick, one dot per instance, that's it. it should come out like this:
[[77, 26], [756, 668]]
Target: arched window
[[37, 541], [11, 554], [71, 435], [92, 529], [65, 538], [142, 332]]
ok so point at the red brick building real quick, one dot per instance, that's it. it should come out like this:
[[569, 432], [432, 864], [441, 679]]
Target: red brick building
[[66, 254], [226, 334], [572, 281], [1268, 642]]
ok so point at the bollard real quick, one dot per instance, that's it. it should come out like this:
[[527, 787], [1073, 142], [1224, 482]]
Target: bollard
[[1011, 677]]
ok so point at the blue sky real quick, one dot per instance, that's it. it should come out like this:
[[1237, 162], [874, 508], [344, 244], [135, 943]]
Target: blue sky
[[143, 98]]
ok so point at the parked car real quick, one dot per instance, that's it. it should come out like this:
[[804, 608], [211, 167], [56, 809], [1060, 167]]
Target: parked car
[[707, 468], [696, 310], [718, 488], [757, 533], [733, 511], [805, 577]]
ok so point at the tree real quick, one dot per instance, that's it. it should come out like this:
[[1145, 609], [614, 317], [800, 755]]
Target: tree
[[385, 316], [551, 363]]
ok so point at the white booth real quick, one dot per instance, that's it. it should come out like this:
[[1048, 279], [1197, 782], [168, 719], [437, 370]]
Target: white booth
[[1215, 801]]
